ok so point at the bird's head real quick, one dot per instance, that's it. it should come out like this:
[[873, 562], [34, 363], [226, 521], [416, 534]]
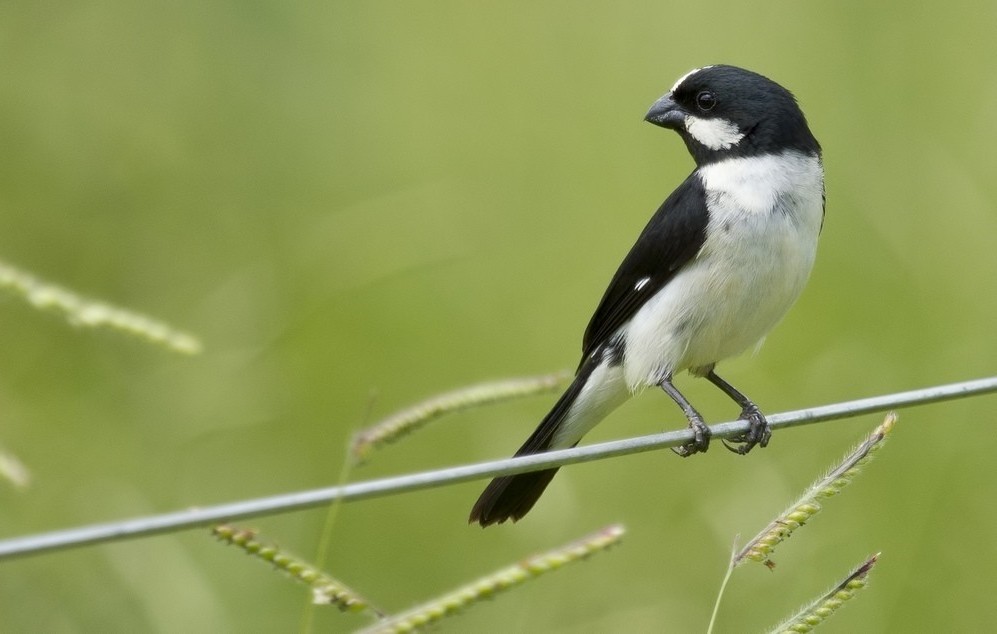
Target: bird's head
[[725, 112]]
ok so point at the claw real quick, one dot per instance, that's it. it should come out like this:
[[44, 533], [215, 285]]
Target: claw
[[739, 449], [700, 441], [759, 432]]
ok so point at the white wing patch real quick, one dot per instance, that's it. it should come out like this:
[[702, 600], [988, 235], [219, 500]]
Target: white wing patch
[[716, 134], [641, 283]]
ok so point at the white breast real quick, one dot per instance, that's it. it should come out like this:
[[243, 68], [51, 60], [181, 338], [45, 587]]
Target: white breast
[[765, 216]]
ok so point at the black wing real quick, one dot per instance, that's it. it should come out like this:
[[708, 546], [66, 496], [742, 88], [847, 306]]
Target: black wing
[[671, 238]]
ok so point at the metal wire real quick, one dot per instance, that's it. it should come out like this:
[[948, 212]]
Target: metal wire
[[196, 517]]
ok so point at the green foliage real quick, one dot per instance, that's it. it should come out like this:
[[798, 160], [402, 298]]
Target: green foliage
[[88, 313], [815, 613], [760, 547], [325, 589], [351, 198], [329, 591], [414, 417]]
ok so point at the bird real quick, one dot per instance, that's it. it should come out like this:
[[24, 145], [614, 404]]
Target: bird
[[717, 266]]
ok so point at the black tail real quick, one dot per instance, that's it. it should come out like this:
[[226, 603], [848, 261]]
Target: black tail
[[511, 497]]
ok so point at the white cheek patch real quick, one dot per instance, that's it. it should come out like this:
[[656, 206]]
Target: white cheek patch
[[716, 134]]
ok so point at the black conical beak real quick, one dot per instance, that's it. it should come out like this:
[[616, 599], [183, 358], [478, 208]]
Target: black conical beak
[[666, 113]]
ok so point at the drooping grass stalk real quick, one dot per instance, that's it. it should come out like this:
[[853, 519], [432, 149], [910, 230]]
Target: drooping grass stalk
[[485, 588], [412, 418], [325, 589], [762, 545], [89, 313], [817, 612]]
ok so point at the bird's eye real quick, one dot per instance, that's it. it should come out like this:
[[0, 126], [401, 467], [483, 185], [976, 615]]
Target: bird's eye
[[706, 101]]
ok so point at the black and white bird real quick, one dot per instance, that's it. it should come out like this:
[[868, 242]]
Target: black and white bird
[[717, 266]]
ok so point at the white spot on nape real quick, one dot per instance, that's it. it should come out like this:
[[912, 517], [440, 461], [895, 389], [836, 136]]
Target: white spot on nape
[[716, 134], [687, 76], [641, 283]]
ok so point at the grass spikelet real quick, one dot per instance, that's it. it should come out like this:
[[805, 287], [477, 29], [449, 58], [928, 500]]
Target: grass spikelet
[[13, 470], [817, 612], [487, 587], [88, 313], [412, 418], [325, 589], [761, 547]]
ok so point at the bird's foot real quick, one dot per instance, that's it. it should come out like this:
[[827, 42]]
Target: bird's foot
[[759, 432], [700, 439]]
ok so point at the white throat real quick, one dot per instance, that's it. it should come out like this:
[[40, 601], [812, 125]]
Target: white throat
[[790, 182]]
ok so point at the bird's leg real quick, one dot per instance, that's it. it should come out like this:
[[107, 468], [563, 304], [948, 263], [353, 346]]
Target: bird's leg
[[701, 433], [759, 432]]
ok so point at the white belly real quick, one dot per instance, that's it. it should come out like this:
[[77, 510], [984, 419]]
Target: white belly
[[758, 254]]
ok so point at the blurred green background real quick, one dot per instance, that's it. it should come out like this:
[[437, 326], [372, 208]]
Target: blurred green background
[[357, 205]]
